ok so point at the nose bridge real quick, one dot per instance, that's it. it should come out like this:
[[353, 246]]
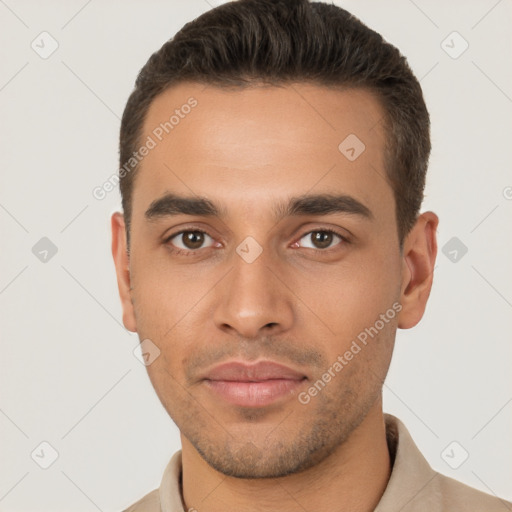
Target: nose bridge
[[251, 297]]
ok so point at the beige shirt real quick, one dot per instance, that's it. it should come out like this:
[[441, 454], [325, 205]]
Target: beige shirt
[[413, 486]]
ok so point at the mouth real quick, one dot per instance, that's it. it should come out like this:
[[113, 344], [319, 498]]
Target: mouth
[[254, 385], [254, 394]]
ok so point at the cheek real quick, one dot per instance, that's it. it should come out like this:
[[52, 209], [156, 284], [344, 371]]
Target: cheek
[[351, 298], [171, 305], [164, 293]]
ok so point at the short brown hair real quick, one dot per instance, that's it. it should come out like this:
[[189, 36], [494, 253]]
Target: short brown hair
[[254, 42]]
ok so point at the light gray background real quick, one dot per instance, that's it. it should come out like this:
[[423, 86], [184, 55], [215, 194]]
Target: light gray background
[[68, 372]]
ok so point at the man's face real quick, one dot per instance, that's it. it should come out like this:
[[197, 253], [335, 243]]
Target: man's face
[[292, 293]]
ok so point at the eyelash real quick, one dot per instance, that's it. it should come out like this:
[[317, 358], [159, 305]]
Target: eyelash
[[181, 252]]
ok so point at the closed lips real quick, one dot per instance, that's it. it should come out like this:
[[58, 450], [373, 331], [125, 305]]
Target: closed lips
[[236, 371]]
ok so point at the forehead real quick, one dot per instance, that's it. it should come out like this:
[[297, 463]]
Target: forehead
[[244, 145]]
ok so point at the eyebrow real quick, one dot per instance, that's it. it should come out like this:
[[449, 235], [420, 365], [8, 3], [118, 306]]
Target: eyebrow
[[319, 204]]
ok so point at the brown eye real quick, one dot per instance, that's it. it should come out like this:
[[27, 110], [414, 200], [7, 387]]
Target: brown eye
[[320, 239], [189, 240], [193, 239]]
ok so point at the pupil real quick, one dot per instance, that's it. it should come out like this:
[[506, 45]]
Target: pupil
[[322, 239], [194, 239]]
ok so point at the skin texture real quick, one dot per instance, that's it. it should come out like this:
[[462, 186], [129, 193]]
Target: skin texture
[[298, 303]]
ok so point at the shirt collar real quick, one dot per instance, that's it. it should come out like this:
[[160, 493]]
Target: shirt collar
[[413, 483]]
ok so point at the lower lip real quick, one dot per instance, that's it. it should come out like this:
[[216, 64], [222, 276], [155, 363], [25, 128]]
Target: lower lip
[[254, 394]]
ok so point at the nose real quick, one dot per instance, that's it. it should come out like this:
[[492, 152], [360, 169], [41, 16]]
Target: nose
[[252, 300]]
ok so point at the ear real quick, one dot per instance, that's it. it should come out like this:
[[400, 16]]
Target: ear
[[122, 263], [419, 256]]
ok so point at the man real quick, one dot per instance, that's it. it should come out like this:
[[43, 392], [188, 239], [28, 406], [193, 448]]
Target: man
[[273, 158]]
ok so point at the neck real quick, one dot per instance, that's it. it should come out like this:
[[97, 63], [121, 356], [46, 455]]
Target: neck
[[353, 478]]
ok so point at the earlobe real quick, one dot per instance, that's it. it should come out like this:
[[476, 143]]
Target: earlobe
[[122, 263], [419, 256]]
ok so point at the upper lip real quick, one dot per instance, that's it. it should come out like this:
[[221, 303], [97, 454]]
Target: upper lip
[[257, 372]]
